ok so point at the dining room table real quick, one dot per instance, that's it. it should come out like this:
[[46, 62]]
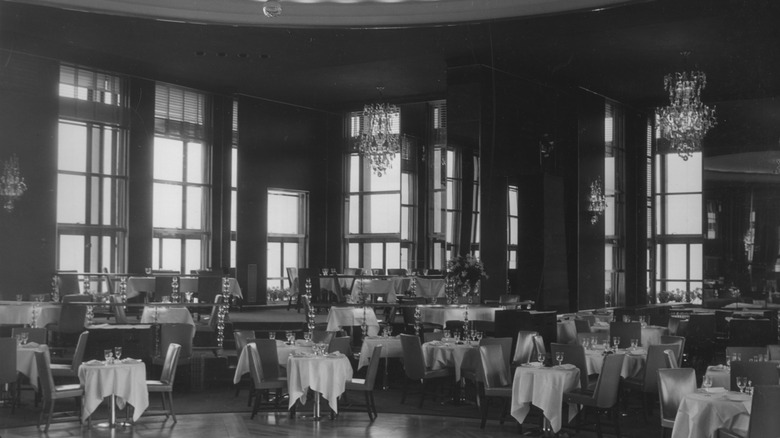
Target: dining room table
[[25, 360], [122, 381], [544, 388], [158, 314], [391, 348], [283, 351], [633, 364], [386, 287], [21, 312], [430, 288], [450, 354], [703, 412], [325, 374], [440, 313], [349, 316]]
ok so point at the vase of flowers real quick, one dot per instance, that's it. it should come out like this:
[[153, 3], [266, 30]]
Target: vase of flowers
[[465, 272]]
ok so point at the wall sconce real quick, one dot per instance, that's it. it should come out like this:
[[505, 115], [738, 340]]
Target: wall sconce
[[12, 184], [597, 202]]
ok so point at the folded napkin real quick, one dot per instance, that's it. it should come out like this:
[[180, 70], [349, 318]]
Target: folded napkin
[[638, 351], [303, 343], [31, 345], [533, 365], [129, 360], [93, 362], [335, 354], [565, 366], [715, 390], [720, 367]]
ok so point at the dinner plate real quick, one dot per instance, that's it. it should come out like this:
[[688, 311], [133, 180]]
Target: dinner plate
[[715, 390]]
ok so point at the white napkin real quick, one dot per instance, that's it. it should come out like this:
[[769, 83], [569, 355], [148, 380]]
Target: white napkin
[[129, 360], [93, 362], [533, 364], [565, 366], [31, 345]]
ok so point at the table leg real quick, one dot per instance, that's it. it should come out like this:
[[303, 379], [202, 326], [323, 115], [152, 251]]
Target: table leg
[[384, 377], [317, 416], [112, 423]]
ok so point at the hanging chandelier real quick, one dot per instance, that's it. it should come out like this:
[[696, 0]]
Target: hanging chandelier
[[597, 202], [380, 141], [686, 120], [12, 184]]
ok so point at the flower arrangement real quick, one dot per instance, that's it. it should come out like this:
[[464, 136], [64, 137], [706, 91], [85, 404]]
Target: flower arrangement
[[465, 270]]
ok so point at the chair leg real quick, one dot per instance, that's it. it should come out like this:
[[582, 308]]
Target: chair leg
[[49, 417], [373, 404], [422, 393], [164, 404], [170, 406], [403, 389], [616, 416], [368, 405], [598, 424], [484, 409], [256, 406]]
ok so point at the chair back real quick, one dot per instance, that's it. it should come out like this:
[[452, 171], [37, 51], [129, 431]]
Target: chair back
[[269, 358], [171, 363], [774, 352], [414, 363], [746, 353], [72, 315], [656, 359], [292, 280], [78, 355], [37, 335], [680, 340], [673, 385], [504, 343], [177, 333], [606, 392], [581, 325], [68, 284], [255, 369], [524, 347], [764, 421], [8, 373], [45, 378], [377, 271], [454, 325], [671, 359], [539, 347], [508, 299], [342, 344], [626, 331], [323, 336], [119, 309], [373, 366], [673, 325], [397, 272], [759, 373], [241, 337], [575, 355], [438, 336], [214, 316], [495, 372], [209, 286]]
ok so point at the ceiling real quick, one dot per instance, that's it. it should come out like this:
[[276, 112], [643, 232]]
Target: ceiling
[[622, 51]]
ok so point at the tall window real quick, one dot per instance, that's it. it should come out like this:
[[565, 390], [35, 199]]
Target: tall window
[[614, 191], [234, 187], [287, 235], [379, 230], [441, 214], [649, 202], [182, 181], [476, 210], [678, 223], [512, 224], [91, 172]]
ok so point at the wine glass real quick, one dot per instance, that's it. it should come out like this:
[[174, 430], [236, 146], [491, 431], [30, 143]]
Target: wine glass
[[107, 355], [25, 336], [559, 357], [634, 343], [272, 335], [148, 271], [616, 342], [585, 343], [479, 336], [446, 335], [117, 352], [741, 381], [706, 383], [540, 357]]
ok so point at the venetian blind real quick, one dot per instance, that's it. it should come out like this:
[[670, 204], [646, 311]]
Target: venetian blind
[[179, 112]]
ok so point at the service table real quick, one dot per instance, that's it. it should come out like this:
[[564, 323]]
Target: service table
[[339, 317], [327, 375], [702, 413], [123, 381], [544, 387], [440, 314], [445, 354], [166, 315], [633, 363], [25, 360]]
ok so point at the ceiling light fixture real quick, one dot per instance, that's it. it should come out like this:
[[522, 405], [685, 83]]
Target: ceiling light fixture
[[379, 141], [686, 120], [272, 8]]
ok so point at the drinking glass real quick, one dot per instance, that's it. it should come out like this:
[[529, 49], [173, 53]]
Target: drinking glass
[[456, 336], [25, 336], [446, 334], [634, 344], [18, 339], [741, 381], [626, 318], [585, 343], [540, 358], [19, 297], [272, 335], [706, 383], [117, 352], [188, 296], [479, 336], [148, 271], [107, 355], [559, 357], [616, 341]]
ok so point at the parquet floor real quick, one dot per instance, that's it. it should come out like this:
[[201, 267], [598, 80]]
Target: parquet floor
[[348, 424]]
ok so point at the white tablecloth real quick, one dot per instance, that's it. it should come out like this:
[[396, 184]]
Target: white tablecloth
[[632, 364], [283, 351], [391, 347], [391, 287], [700, 415], [126, 381], [352, 316], [166, 315], [430, 288], [326, 375], [135, 285], [20, 312], [442, 314], [25, 361], [544, 387], [440, 355]]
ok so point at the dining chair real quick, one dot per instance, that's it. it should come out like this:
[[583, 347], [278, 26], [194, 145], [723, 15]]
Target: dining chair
[[493, 381], [407, 311], [366, 385], [241, 338], [321, 335], [64, 333], [269, 359], [164, 386], [118, 309], [647, 383], [603, 396], [670, 339], [524, 347], [397, 272], [68, 283], [764, 421], [292, 281], [581, 325], [71, 371], [673, 385], [50, 393], [415, 368], [774, 351], [9, 376], [626, 331], [261, 381], [176, 333], [472, 372], [746, 353], [37, 335], [539, 347], [758, 373], [343, 345], [575, 355], [433, 336], [671, 359]]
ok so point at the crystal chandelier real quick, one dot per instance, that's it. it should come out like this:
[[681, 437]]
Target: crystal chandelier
[[12, 184], [686, 120], [597, 202], [378, 142]]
